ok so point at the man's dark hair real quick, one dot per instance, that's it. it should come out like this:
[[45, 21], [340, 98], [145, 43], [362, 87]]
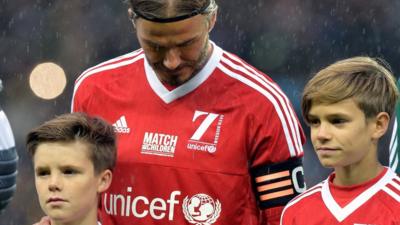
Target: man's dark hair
[[170, 10], [71, 127]]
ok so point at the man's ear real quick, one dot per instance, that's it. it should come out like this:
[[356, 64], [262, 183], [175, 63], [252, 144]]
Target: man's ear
[[131, 16], [213, 19], [104, 181], [381, 124]]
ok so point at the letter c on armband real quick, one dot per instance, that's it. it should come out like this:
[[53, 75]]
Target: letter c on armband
[[276, 184]]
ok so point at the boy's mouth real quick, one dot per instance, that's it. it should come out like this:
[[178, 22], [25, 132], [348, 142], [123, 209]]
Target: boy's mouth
[[55, 199]]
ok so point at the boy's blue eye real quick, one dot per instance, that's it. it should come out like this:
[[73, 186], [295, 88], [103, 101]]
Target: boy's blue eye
[[313, 122], [42, 173], [338, 121], [70, 171]]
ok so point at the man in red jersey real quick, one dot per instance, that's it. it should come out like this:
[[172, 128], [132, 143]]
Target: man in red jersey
[[348, 106], [203, 137]]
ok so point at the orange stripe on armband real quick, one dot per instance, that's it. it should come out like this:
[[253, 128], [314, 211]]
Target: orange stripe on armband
[[272, 176], [274, 185], [276, 194]]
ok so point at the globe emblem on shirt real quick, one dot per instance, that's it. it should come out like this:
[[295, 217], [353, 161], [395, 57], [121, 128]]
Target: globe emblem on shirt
[[201, 209]]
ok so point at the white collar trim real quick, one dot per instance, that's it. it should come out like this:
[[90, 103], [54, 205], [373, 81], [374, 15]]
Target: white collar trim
[[343, 213], [169, 96]]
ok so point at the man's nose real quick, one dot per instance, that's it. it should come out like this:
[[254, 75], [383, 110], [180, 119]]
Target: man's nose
[[172, 59]]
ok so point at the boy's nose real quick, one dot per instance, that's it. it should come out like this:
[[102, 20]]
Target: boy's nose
[[55, 183], [323, 132]]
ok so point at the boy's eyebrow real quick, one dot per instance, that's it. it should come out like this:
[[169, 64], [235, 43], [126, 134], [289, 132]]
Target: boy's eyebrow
[[310, 115], [70, 167], [67, 166], [329, 115], [41, 168]]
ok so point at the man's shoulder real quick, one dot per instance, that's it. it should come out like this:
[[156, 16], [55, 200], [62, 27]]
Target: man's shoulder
[[235, 64], [102, 71], [247, 76], [252, 85]]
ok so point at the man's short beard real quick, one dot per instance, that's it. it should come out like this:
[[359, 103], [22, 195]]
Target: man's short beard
[[199, 64]]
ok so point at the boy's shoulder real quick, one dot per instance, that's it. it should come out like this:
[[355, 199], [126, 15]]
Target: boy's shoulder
[[308, 198], [303, 206], [392, 187], [383, 195]]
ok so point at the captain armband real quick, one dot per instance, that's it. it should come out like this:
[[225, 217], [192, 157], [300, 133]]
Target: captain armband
[[276, 184]]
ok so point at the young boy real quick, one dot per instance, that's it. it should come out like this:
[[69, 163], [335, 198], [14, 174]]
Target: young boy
[[73, 158], [348, 106]]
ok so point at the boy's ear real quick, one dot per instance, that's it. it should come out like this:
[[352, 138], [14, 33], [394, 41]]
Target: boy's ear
[[381, 125], [105, 179]]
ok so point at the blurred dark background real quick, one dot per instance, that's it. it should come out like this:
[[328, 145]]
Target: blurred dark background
[[287, 39]]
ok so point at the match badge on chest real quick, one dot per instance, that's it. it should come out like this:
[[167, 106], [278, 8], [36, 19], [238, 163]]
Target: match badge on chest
[[159, 144], [207, 128]]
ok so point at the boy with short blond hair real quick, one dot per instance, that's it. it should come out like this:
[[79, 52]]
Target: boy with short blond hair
[[348, 106], [73, 157]]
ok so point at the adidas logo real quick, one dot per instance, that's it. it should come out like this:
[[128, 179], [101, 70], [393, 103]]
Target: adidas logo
[[121, 126]]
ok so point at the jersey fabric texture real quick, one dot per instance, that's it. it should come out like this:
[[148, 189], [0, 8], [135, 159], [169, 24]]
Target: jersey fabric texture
[[394, 148], [8, 162], [374, 202], [184, 155]]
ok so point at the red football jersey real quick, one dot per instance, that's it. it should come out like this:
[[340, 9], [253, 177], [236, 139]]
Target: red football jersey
[[184, 154], [376, 202]]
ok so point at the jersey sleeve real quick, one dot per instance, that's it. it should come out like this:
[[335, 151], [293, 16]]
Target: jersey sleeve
[[8, 162], [89, 90], [77, 98], [81, 95], [271, 216], [276, 153], [277, 136], [286, 218]]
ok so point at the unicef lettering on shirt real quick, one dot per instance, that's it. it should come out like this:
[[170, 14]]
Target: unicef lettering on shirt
[[200, 209]]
